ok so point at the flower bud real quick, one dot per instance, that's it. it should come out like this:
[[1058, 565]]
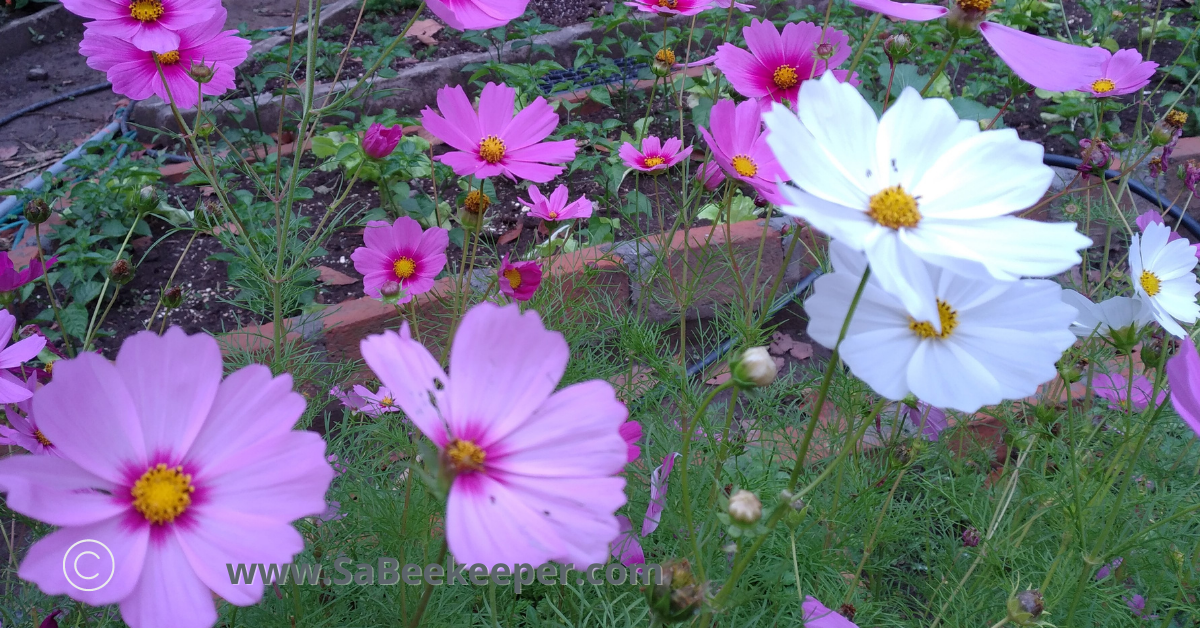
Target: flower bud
[[677, 596], [970, 537], [391, 292], [898, 47], [825, 50], [1025, 607], [664, 62], [1162, 133], [206, 129], [172, 297], [146, 199], [761, 201], [745, 507], [50, 621], [470, 215], [121, 272], [380, 141], [201, 73], [754, 368], [37, 211]]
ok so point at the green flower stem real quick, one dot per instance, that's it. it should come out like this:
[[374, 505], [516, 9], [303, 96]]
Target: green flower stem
[[942, 66], [66, 338], [685, 451], [862, 45], [724, 450], [87, 339], [427, 592]]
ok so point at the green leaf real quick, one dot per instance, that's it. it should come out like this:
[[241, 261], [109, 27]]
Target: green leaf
[[968, 109], [601, 95], [75, 320]]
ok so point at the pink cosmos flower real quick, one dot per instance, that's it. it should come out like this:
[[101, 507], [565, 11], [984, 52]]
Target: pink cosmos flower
[[10, 279], [626, 548], [654, 156], [658, 493], [402, 253], [134, 73], [710, 176], [150, 25], [494, 141], [475, 15], [361, 399], [1114, 388], [1104, 571], [1041, 62], [739, 146], [1146, 218], [173, 470], [740, 6], [672, 7], [379, 141], [1122, 73], [24, 432], [775, 66], [1183, 375], [519, 280], [13, 389], [556, 207], [935, 420], [534, 471], [631, 431], [816, 615]]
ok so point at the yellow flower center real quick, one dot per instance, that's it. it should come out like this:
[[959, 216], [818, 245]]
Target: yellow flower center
[[514, 278], [949, 320], [387, 402], [975, 5], [745, 166], [665, 56], [466, 455], [1150, 283], [146, 10], [491, 149], [404, 267], [785, 77], [167, 58], [668, 4], [41, 438], [1103, 86], [162, 493], [477, 202], [553, 215], [895, 208], [1176, 118], [654, 162]]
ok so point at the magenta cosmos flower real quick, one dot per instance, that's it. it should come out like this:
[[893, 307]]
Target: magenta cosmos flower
[[477, 14], [494, 141], [24, 432], [402, 253], [1115, 387], [739, 146], [13, 389], [1041, 62], [534, 470], [1120, 74], [150, 25], [519, 280], [10, 279], [631, 431], [655, 156], [556, 207], [380, 141], [776, 64], [672, 7], [165, 473], [134, 73], [1183, 374]]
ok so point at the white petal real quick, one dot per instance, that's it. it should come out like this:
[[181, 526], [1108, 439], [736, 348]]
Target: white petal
[[946, 376], [903, 275], [913, 134], [837, 221], [1008, 246], [881, 359], [844, 127], [990, 174], [809, 164]]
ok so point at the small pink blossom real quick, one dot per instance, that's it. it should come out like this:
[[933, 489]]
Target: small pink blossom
[[631, 431], [477, 15], [494, 141], [13, 389], [817, 615], [24, 432], [672, 7], [710, 176], [1114, 388], [1121, 73], [380, 141], [1191, 174], [11, 280], [626, 548], [556, 207], [1183, 375], [1149, 217], [361, 399], [655, 156], [401, 252], [519, 280], [777, 64], [935, 421], [658, 493], [149, 25], [1104, 571], [739, 146]]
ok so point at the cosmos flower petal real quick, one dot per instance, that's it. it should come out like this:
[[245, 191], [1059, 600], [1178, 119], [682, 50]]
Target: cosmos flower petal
[[488, 522], [816, 615], [496, 104], [1010, 247], [284, 478], [809, 164], [226, 536], [166, 590], [913, 11], [1183, 374], [57, 491], [914, 133], [1041, 62], [413, 376], [43, 563], [989, 174], [578, 509], [250, 406]]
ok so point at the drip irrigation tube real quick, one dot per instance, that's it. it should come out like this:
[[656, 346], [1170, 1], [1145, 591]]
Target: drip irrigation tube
[[54, 101]]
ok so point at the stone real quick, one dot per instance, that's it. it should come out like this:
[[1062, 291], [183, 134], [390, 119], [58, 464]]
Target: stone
[[37, 73]]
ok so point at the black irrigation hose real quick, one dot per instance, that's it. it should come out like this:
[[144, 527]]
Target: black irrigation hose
[[83, 91]]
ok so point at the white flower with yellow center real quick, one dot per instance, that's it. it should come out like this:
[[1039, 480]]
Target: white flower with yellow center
[[996, 340], [1161, 272], [917, 186], [1101, 318]]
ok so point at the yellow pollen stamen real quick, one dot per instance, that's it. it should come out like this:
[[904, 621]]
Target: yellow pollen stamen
[[665, 56], [895, 208], [162, 493], [949, 320], [514, 278], [1103, 86], [975, 5], [1176, 118], [1150, 283], [477, 202], [466, 455], [167, 58], [745, 166], [146, 10], [654, 162], [387, 402], [785, 77], [404, 267], [41, 438], [668, 4], [553, 215], [491, 149]]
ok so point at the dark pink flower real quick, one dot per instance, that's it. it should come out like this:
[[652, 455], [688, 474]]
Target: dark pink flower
[[739, 146], [51, 620], [1191, 174], [1114, 388], [1183, 375], [776, 64], [1104, 571], [631, 431], [13, 389], [817, 615], [477, 15], [1122, 73], [150, 25], [626, 548], [1041, 62], [556, 207], [672, 7], [379, 141], [402, 253], [10, 279], [134, 73], [24, 432], [519, 280], [494, 141], [1149, 217], [1095, 159], [658, 493], [710, 176], [655, 156]]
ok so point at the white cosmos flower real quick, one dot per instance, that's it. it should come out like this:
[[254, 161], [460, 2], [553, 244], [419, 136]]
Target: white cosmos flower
[[1161, 272], [998, 340], [917, 185], [1100, 318]]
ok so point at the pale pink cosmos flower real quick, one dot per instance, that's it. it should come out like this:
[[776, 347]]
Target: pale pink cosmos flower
[[477, 15], [672, 7], [739, 146], [24, 432], [11, 279], [380, 141], [935, 421], [13, 389], [817, 615], [1183, 374], [149, 25], [655, 156], [174, 470], [740, 6], [1145, 219], [403, 253], [1041, 62], [494, 141], [1114, 387], [556, 207], [1122, 73], [133, 71], [776, 64], [361, 399], [626, 549], [534, 471], [519, 280], [631, 431], [658, 493]]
